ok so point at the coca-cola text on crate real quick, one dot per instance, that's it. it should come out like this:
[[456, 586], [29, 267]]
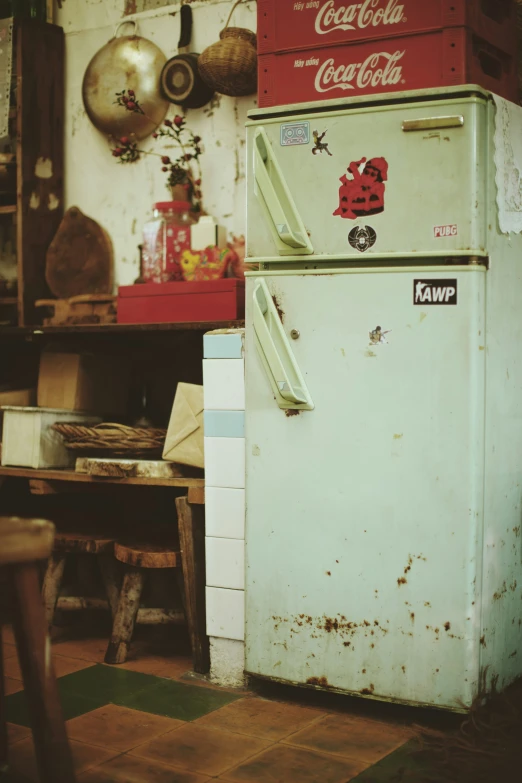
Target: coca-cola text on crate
[[285, 25], [413, 62]]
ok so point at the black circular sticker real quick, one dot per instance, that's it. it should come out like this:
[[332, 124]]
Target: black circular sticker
[[362, 238]]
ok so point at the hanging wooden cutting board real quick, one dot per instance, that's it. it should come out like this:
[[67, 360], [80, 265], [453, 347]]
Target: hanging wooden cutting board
[[80, 258]]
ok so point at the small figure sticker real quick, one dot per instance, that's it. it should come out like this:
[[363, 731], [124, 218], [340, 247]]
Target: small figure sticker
[[377, 336], [320, 145], [363, 194], [362, 238]]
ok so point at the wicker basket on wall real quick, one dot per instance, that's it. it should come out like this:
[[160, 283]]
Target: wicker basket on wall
[[230, 65]]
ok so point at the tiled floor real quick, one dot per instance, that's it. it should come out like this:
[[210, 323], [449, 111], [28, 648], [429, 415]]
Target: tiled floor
[[150, 721]]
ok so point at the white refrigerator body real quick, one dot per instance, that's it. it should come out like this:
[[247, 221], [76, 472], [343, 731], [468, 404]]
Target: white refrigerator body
[[384, 466], [364, 532]]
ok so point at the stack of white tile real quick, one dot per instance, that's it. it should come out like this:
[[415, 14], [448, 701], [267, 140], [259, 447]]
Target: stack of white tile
[[224, 393]]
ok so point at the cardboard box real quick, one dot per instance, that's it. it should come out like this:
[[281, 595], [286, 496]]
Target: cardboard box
[[83, 382], [23, 397], [30, 442]]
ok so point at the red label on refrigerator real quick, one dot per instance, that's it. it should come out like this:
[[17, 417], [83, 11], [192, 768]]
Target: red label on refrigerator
[[298, 24], [409, 63]]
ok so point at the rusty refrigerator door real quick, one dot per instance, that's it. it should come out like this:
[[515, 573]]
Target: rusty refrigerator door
[[365, 458]]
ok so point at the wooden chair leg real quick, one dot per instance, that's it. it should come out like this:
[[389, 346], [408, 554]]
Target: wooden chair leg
[[52, 750], [191, 526], [125, 619], [110, 576], [51, 585], [3, 720]]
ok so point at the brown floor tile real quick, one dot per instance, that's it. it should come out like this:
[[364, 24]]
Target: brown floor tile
[[119, 727], [199, 749], [62, 666], [351, 737], [130, 769], [161, 666], [89, 649], [12, 686], [283, 764], [16, 733], [269, 720], [22, 759]]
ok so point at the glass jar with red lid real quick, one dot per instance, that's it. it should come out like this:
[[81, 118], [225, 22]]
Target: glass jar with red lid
[[165, 237]]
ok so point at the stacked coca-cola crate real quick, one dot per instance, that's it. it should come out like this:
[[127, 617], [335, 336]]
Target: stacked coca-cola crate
[[311, 50]]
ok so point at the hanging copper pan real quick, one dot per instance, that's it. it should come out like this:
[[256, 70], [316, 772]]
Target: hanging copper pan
[[126, 62]]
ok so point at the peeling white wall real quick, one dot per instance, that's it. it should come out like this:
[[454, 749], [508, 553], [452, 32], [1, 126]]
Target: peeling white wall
[[120, 197]]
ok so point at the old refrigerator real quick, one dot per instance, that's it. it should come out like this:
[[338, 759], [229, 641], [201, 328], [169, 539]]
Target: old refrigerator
[[384, 397]]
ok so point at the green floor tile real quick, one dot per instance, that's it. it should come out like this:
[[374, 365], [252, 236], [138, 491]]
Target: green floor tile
[[73, 705], [175, 700], [106, 683], [402, 766]]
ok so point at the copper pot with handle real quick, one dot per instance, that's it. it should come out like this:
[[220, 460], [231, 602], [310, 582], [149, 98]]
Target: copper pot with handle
[[126, 62]]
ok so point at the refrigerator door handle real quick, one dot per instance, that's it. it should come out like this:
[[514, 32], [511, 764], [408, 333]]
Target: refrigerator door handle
[[286, 224], [433, 123], [274, 349]]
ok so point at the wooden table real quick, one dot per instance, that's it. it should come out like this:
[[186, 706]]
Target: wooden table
[[147, 345], [191, 527]]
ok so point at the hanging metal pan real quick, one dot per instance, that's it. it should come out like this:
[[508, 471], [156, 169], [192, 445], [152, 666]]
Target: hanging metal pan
[[127, 62], [180, 80]]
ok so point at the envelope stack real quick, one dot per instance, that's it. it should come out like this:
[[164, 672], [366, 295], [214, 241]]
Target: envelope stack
[[224, 425], [184, 442]]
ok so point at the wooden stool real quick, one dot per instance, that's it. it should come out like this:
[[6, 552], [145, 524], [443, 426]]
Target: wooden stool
[[69, 543], [24, 542], [138, 558]]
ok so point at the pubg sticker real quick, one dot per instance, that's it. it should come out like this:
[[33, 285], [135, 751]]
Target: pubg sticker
[[320, 145], [363, 194]]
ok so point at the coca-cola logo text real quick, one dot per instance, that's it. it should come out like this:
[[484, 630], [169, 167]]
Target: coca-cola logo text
[[357, 15], [379, 69]]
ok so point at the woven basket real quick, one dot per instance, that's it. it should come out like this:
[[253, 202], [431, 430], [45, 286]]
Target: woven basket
[[230, 65], [112, 439]]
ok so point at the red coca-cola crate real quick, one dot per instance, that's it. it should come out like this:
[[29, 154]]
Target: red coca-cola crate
[[158, 303], [285, 25], [412, 62]]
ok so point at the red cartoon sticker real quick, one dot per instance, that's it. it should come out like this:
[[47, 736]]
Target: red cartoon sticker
[[363, 194]]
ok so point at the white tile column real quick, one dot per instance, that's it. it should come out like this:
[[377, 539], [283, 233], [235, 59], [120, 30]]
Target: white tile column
[[224, 394]]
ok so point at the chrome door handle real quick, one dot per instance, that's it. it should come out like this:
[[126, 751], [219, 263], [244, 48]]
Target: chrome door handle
[[272, 343], [285, 220], [433, 123]]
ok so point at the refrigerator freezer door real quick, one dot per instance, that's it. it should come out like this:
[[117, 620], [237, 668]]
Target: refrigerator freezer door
[[364, 515], [396, 180]]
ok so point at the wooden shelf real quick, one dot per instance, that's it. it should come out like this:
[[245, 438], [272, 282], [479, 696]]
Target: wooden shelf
[[9, 209], [84, 478], [8, 300], [115, 329]]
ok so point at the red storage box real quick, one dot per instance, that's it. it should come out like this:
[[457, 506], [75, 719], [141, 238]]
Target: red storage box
[[284, 25], [412, 62], [159, 303]]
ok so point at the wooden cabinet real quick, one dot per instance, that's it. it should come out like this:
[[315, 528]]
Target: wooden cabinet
[[37, 134]]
